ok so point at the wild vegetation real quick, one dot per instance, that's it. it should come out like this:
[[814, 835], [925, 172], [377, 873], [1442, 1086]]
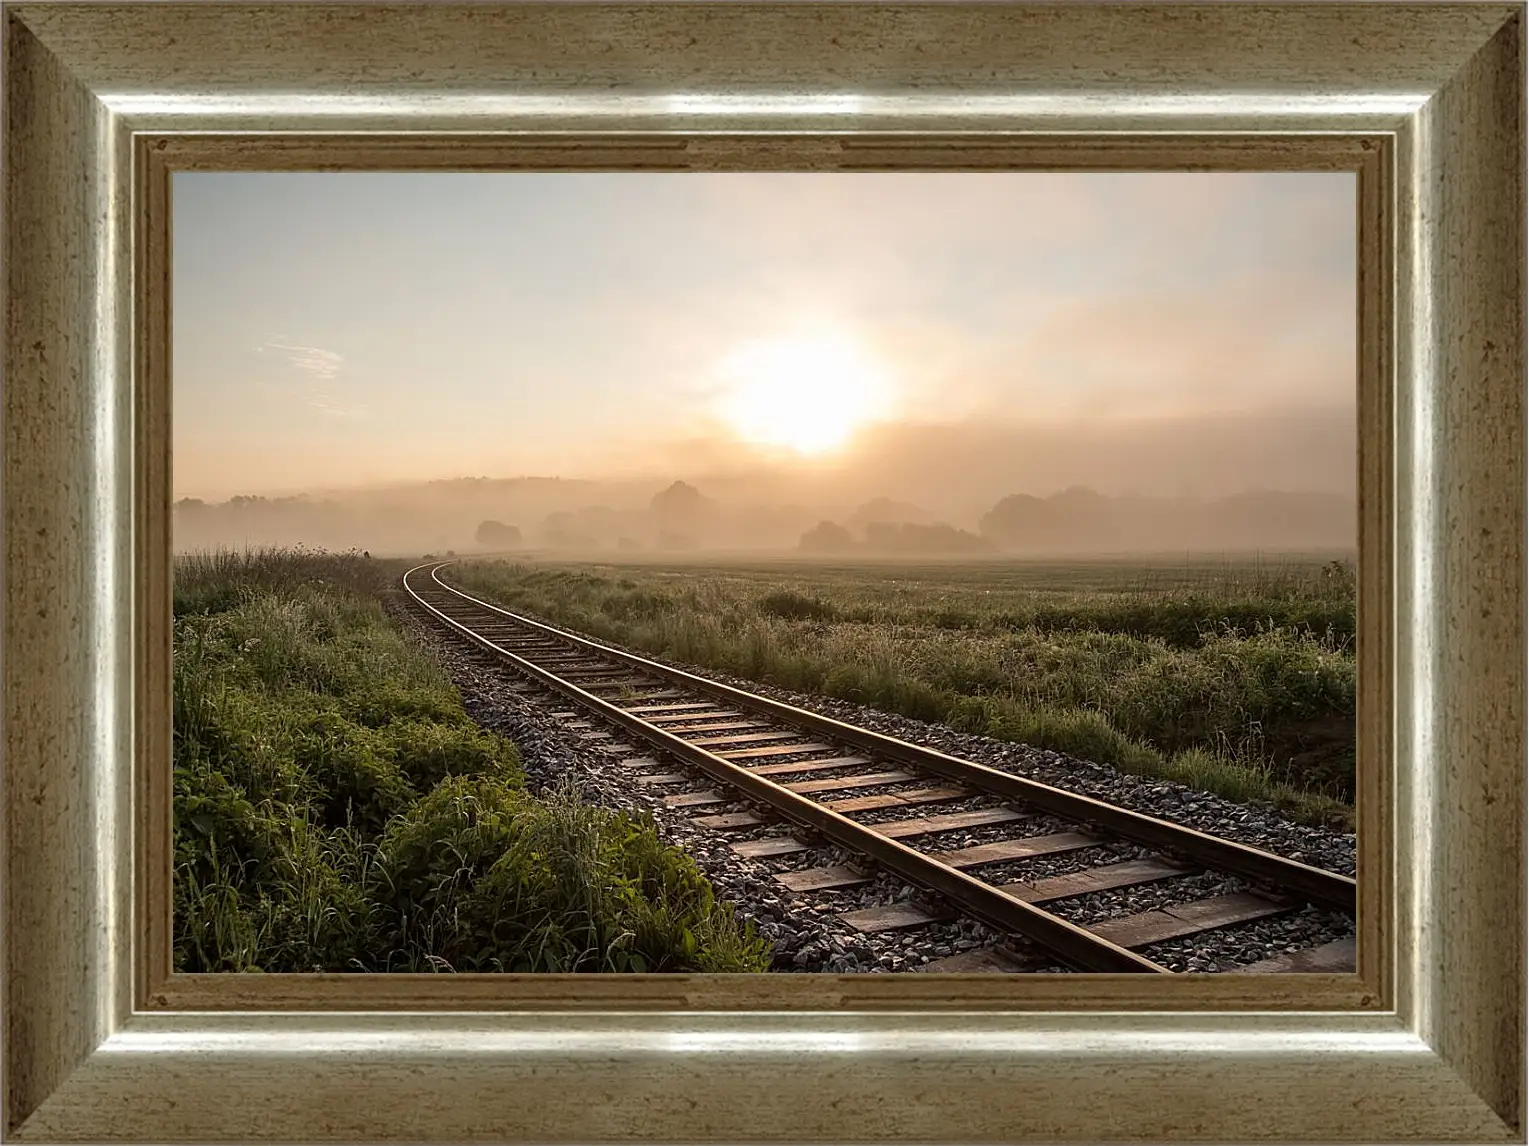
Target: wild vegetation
[[337, 810], [1236, 677]]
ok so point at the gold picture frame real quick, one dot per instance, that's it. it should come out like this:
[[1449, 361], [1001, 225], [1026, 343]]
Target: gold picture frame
[[1424, 101]]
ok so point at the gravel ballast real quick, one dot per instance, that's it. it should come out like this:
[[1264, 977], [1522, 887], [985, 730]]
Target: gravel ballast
[[805, 928]]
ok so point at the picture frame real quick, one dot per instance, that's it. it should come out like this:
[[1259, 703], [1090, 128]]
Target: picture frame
[[1424, 101]]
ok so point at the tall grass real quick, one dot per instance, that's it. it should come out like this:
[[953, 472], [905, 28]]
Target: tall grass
[[336, 809], [1238, 681], [215, 580], [472, 879]]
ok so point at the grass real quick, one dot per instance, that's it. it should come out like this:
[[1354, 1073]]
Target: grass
[[1235, 677], [337, 810]]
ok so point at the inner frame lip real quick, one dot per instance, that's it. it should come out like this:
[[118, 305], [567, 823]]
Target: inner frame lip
[[1370, 155]]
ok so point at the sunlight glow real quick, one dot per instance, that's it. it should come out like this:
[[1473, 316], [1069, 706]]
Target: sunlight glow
[[808, 394]]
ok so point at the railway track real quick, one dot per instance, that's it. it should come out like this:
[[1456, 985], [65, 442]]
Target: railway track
[[883, 800]]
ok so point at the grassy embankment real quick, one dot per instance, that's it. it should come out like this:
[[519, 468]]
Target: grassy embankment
[[1234, 677], [336, 809]]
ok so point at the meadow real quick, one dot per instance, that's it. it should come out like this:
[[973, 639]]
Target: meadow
[[1233, 675], [337, 810]]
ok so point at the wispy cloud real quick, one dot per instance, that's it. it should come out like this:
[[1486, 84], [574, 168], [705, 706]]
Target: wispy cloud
[[328, 405], [311, 360], [321, 368]]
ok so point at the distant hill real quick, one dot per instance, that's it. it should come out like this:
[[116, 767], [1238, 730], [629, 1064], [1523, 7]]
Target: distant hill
[[1081, 520]]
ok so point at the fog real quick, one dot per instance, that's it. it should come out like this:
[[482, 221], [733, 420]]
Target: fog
[[1270, 481]]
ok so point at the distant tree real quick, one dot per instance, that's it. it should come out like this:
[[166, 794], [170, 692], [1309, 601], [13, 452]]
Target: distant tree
[[1079, 499], [681, 517], [927, 540], [1021, 521], [884, 509], [681, 500], [497, 535], [1077, 517], [827, 537]]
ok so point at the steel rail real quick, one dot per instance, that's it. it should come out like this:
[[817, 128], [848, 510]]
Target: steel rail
[[1316, 884], [1073, 944]]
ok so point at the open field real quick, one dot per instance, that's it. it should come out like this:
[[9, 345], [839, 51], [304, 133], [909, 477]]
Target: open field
[[1236, 676], [336, 809]]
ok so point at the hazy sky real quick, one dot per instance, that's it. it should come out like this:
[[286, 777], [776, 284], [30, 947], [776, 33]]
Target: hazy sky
[[345, 329]]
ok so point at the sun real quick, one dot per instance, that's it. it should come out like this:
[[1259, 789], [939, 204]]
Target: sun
[[805, 394]]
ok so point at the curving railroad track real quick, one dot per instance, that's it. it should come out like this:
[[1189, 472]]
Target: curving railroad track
[[883, 800]]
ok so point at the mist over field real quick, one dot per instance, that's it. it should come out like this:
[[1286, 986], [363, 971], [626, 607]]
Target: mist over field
[[1274, 482]]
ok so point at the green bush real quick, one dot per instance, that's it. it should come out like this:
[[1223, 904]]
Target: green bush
[[479, 877], [1188, 621], [257, 887], [793, 606], [359, 784], [427, 751]]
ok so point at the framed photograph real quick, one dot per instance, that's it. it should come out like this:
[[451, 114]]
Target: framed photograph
[[793, 571]]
